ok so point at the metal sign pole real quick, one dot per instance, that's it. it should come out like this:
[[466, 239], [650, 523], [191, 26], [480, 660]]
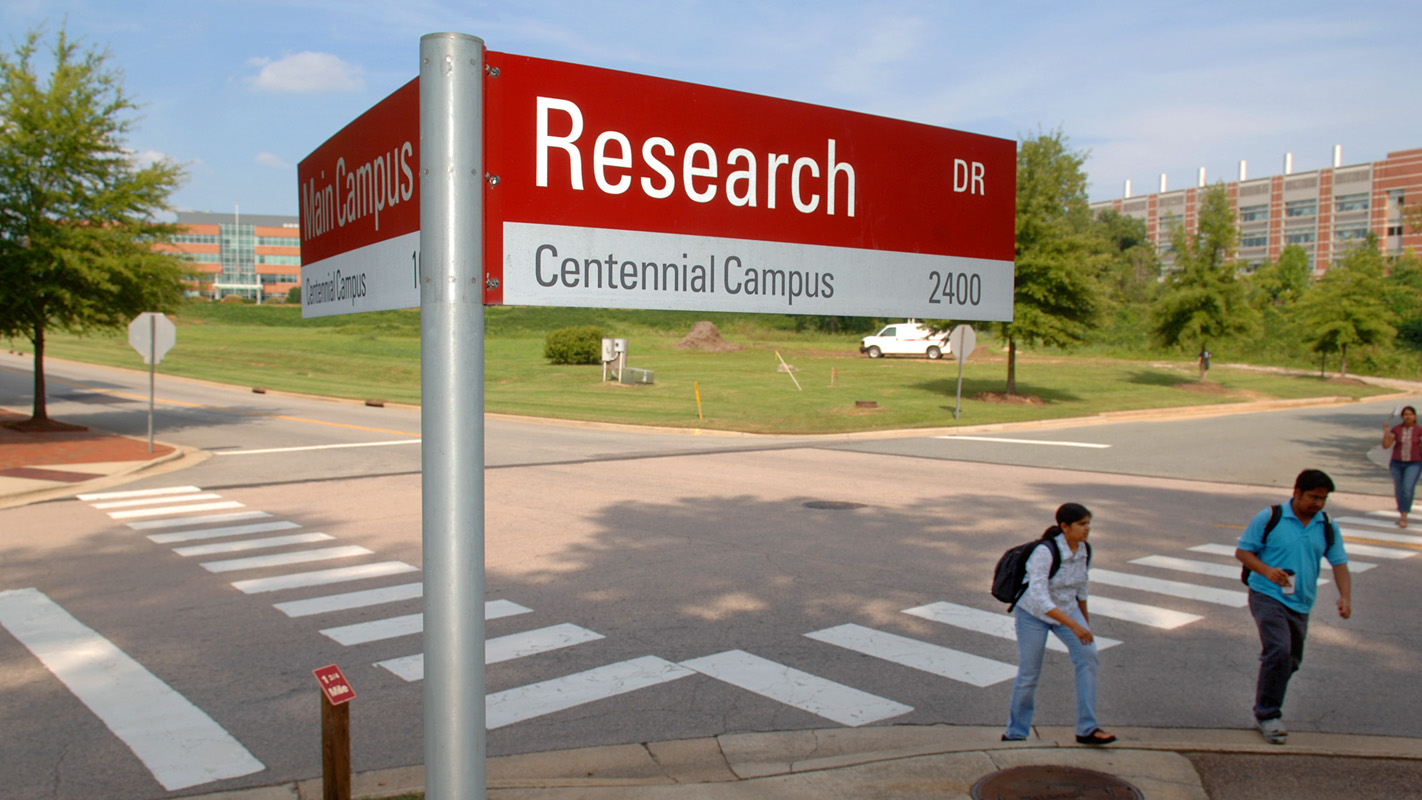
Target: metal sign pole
[[452, 411], [152, 365]]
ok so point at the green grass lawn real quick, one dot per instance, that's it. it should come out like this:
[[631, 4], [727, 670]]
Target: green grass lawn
[[377, 356]]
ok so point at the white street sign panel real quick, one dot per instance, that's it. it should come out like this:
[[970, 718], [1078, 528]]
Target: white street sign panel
[[962, 341], [152, 335]]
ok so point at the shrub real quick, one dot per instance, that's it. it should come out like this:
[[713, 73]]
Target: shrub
[[581, 344], [293, 295]]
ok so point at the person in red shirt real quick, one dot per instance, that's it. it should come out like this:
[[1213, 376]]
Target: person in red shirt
[[1406, 464]]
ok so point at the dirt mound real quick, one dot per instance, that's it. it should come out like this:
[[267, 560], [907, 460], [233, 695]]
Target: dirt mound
[[1203, 387], [706, 336], [1010, 399]]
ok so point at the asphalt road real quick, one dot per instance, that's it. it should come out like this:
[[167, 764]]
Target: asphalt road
[[665, 550]]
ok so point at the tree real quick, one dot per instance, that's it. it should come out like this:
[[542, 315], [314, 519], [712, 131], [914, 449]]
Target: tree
[[1133, 268], [1057, 295], [1203, 297], [77, 214], [1284, 281], [1348, 306]]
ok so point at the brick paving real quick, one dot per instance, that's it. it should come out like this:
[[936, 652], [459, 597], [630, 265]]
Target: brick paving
[[20, 450]]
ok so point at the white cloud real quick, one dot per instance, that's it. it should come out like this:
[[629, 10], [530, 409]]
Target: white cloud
[[271, 160], [308, 72], [147, 158]]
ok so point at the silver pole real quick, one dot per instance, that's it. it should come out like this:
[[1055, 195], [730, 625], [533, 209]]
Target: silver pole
[[152, 365], [452, 411]]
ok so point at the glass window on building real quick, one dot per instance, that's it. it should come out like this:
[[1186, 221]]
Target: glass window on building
[[1298, 237], [1248, 240], [1351, 202], [1350, 233], [1254, 213], [1301, 208]]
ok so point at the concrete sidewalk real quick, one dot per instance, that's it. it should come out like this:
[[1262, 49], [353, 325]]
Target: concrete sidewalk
[[939, 761]]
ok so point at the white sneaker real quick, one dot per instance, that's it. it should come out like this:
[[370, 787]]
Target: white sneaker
[[1273, 730]]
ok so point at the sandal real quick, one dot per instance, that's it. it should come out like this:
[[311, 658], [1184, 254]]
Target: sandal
[[1097, 736]]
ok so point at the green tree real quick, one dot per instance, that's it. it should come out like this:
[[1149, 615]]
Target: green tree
[[1133, 268], [1283, 282], [77, 214], [1348, 306], [1204, 298], [1057, 294]]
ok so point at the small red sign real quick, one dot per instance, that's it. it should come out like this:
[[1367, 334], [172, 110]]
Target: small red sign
[[338, 690]]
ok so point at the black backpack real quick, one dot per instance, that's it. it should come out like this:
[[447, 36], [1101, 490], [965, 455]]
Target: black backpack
[[1009, 577], [1276, 512]]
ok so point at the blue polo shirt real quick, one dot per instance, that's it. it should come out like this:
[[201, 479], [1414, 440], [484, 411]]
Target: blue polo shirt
[[1293, 546]]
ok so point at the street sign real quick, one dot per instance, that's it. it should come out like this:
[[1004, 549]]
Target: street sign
[[609, 189], [962, 341], [152, 335], [334, 684], [360, 212]]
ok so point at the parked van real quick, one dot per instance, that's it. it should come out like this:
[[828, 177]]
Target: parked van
[[907, 338]]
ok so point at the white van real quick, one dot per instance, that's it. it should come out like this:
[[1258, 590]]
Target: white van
[[907, 338]]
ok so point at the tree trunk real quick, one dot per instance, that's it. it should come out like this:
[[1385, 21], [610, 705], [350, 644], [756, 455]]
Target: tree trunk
[[41, 413], [1011, 366], [1343, 366], [1323, 365]]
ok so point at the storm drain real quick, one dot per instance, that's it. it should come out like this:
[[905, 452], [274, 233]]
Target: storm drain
[[833, 505], [1058, 783]]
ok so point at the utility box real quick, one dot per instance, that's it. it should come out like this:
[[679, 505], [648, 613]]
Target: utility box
[[609, 353], [633, 375]]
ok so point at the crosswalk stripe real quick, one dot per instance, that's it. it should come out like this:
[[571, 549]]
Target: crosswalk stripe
[[819, 696], [167, 510], [546, 697], [923, 656], [218, 533], [148, 501], [251, 544], [237, 516], [1373, 551], [498, 609], [1382, 536], [301, 580], [1381, 523], [1228, 550], [1190, 565], [349, 600], [285, 559], [138, 493], [377, 629], [503, 648], [1003, 626], [1190, 591], [1140, 613], [179, 744]]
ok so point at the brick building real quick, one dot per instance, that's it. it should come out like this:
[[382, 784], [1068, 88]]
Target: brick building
[[1324, 211], [256, 256]]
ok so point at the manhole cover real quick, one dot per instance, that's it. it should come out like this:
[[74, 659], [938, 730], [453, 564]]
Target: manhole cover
[[833, 505], [1056, 783]]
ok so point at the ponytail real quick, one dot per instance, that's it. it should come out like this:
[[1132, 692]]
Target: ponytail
[[1066, 515]]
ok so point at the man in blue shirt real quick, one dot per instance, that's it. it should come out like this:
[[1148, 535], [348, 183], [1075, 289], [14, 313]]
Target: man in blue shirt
[[1283, 583]]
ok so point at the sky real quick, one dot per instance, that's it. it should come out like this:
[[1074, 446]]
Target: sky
[[239, 92]]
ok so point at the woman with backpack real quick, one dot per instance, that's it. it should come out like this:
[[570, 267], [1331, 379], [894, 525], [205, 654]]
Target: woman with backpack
[[1055, 602]]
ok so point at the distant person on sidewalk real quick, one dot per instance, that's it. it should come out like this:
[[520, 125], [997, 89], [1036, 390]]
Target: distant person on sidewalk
[[1057, 605], [1283, 565], [1204, 361], [1406, 464]]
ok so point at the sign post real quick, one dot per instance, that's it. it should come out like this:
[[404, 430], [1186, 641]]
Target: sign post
[[152, 335], [962, 341], [336, 693]]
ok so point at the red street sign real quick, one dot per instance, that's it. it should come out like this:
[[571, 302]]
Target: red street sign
[[338, 690], [628, 191], [359, 197]]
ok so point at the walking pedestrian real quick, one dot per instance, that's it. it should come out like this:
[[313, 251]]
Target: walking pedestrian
[[1056, 603], [1283, 565], [1406, 463]]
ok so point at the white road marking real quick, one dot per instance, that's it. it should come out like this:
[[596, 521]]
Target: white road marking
[[323, 577], [285, 559], [138, 493], [1139, 613], [377, 629], [1026, 441], [156, 524], [1372, 551], [546, 697], [1190, 565], [504, 648], [1381, 523], [818, 696], [312, 447], [251, 544], [167, 510], [149, 501], [217, 533], [931, 658], [1234, 598], [1381, 536], [1353, 566], [998, 624], [360, 599], [178, 743]]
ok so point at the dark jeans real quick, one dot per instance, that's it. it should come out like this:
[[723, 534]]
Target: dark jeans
[[1281, 633]]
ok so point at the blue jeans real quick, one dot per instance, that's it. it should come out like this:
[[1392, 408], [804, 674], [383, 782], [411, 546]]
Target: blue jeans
[[1404, 482], [1031, 646]]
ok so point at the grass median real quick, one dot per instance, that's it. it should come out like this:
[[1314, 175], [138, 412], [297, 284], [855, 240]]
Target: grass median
[[829, 388]]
